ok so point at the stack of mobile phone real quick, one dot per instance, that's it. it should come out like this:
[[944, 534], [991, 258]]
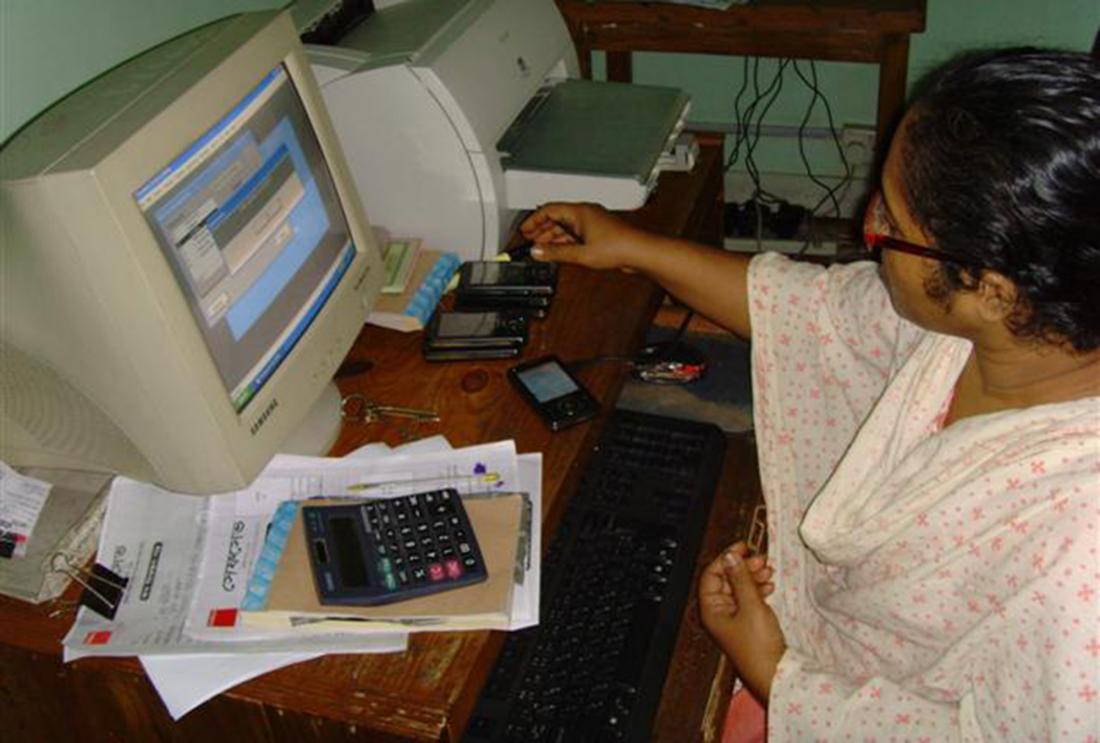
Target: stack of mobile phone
[[490, 334], [492, 285]]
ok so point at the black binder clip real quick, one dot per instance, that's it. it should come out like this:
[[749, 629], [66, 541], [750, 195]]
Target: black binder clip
[[103, 588], [8, 543]]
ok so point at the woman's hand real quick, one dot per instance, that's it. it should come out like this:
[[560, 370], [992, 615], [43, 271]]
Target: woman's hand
[[712, 282], [731, 604], [585, 234]]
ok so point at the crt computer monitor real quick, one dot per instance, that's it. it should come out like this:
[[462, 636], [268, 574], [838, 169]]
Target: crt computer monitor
[[184, 263]]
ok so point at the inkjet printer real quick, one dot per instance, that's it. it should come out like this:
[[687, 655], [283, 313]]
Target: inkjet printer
[[456, 116]]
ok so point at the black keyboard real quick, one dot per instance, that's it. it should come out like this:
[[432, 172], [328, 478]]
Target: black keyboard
[[614, 584]]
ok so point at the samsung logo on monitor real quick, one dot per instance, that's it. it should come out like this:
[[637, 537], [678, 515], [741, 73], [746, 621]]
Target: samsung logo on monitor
[[262, 419]]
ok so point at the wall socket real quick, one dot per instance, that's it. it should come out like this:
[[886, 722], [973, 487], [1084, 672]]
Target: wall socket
[[859, 147]]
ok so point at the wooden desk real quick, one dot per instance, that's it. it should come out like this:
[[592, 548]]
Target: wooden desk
[[874, 31], [428, 692]]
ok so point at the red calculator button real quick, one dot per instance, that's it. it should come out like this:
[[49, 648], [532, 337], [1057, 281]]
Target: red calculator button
[[435, 571], [454, 569]]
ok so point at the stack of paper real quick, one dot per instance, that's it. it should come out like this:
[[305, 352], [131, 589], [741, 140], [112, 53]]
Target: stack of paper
[[290, 600], [188, 561], [49, 518]]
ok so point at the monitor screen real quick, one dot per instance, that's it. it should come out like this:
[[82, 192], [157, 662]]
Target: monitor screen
[[249, 219], [186, 263]]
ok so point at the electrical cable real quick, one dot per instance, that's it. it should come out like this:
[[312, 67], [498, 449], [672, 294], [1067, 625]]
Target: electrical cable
[[735, 150], [593, 360], [683, 325], [661, 362], [771, 93], [749, 124], [768, 97], [816, 94], [831, 193], [847, 177], [579, 363]]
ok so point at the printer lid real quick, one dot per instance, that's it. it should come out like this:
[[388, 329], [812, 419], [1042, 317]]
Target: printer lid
[[595, 128], [400, 33]]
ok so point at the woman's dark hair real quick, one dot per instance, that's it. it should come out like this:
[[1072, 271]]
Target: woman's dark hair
[[1002, 162]]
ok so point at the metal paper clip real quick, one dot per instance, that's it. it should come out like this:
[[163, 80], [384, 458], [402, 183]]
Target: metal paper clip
[[62, 607], [758, 531]]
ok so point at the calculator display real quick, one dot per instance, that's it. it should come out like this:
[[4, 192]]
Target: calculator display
[[349, 552]]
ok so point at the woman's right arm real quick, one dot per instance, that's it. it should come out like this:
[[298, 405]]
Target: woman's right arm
[[712, 282]]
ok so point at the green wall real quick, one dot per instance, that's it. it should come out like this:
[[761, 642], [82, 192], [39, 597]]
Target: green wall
[[50, 47], [952, 26]]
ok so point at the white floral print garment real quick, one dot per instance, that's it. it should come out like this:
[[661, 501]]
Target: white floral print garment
[[933, 584]]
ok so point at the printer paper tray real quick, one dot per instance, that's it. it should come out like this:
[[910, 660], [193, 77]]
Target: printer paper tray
[[529, 189], [590, 141]]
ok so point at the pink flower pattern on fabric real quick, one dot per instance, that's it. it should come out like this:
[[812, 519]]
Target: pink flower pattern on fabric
[[932, 583]]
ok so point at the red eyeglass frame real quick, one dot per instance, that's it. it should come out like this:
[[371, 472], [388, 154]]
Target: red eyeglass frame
[[876, 242]]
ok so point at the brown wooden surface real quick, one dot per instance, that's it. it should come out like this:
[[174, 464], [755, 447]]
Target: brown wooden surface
[[872, 31], [428, 692], [697, 672], [892, 73]]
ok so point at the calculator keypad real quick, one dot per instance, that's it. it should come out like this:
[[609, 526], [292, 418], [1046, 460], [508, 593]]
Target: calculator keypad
[[421, 532], [412, 545]]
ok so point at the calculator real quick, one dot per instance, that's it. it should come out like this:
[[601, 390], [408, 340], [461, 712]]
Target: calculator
[[387, 550]]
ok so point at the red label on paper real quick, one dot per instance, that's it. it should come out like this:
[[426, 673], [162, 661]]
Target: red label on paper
[[222, 618]]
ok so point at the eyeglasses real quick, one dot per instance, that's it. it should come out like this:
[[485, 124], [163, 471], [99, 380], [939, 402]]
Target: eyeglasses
[[876, 226]]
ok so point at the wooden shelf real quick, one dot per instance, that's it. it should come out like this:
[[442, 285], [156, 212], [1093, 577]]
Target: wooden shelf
[[870, 31]]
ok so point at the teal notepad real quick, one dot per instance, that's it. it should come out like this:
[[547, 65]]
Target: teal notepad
[[259, 583], [432, 287]]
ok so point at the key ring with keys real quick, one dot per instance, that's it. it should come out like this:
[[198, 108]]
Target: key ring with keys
[[358, 408]]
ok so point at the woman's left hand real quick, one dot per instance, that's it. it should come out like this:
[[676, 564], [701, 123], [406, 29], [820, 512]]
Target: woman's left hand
[[731, 604]]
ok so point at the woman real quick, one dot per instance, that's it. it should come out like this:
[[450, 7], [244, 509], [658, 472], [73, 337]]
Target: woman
[[928, 429]]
